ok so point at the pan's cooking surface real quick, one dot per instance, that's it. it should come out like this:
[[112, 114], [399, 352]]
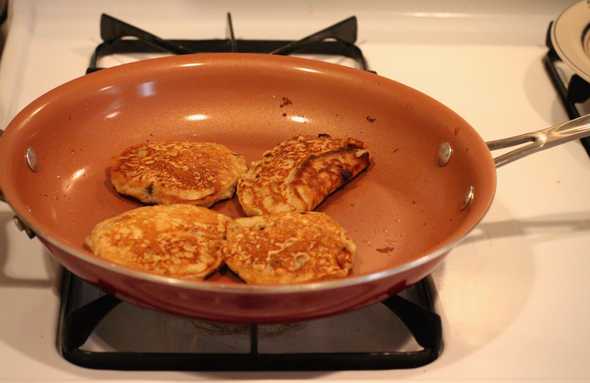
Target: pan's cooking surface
[[403, 206]]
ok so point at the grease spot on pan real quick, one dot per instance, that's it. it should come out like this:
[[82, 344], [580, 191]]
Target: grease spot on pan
[[285, 102], [386, 249]]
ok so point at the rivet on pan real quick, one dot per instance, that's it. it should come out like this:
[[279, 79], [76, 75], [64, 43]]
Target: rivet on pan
[[31, 158], [444, 153], [22, 227], [469, 197]]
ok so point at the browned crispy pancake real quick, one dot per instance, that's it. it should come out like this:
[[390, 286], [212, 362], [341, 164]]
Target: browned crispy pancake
[[298, 174], [182, 241], [288, 248], [198, 173]]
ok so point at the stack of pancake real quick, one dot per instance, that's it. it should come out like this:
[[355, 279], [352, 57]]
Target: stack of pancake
[[280, 242]]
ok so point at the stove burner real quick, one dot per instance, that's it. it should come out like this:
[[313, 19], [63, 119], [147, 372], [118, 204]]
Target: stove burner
[[576, 91], [406, 318]]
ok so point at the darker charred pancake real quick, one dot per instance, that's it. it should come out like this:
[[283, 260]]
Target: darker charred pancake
[[299, 173]]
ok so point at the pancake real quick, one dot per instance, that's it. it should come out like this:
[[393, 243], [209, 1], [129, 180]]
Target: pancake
[[181, 241], [288, 248], [298, 174], [198, 173]]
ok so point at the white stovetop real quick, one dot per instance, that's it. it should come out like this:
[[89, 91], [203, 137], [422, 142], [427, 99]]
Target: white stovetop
[[514, 298]]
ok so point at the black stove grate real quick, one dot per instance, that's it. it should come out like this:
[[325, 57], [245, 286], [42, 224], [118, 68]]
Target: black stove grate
[[120, 37], [78, 322], [80, 317], [577, 90]]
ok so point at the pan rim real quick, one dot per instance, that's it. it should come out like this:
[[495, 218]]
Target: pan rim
[[193, 59], [247, 289]]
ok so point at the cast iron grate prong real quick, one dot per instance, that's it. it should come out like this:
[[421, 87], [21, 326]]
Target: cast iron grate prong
[[112, 29], [229, 33], [344, 31]]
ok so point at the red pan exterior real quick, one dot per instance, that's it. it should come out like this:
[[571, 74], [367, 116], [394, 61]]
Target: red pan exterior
[[242, 307]]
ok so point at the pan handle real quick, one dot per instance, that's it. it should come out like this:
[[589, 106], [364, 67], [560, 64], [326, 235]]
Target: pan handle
[[540, 140]]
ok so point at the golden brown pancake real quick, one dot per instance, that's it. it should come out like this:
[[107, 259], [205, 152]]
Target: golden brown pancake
[[298, 174], [199, 173], [182, 241], [288, 248]]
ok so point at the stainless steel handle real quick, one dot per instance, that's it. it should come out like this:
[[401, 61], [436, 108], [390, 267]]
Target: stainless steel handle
[[540, 140]]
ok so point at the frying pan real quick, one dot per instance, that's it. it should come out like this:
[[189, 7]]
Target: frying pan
[[432, 181]]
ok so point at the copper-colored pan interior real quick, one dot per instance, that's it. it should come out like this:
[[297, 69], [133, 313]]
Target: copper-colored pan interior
[[404, 206]]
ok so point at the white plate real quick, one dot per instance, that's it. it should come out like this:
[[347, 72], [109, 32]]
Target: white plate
[[570, 36]]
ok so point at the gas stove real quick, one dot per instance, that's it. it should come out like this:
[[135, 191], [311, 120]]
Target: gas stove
[[509, 298]]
